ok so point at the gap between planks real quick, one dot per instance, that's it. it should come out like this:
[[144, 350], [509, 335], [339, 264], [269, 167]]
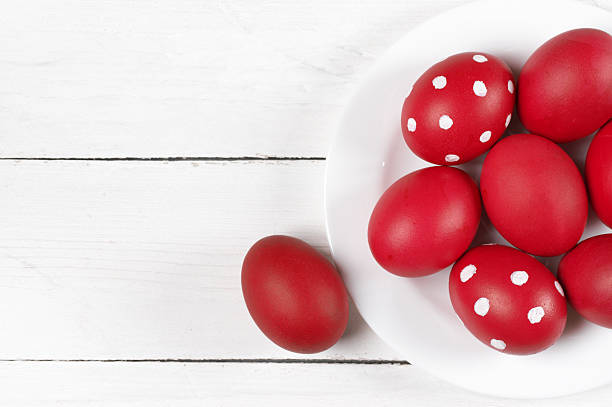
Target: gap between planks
[[278, 361], [164, 159]]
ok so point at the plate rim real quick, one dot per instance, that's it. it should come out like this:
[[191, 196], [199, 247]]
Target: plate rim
[[342, 118]]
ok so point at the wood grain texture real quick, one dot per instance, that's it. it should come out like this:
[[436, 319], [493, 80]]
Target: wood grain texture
[[244, 384], [110, 78], [133, 260], [141, 260]]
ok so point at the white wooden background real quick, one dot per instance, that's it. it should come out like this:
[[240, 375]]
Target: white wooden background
[[144, 146]]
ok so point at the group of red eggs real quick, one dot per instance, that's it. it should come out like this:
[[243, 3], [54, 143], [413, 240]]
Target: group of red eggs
[[532, 191]]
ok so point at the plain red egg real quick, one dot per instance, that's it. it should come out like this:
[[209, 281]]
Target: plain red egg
[[534, 195], [294, 294], [565, 87], [458, 108], [599, 173], [507, 299], [424, 221], [586, 275]]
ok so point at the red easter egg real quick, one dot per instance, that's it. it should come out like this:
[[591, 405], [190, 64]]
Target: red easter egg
[[424, 221], [534, 195], [294, 294], [565, 87], [458, 108], [598, 171], [507, 299], [586, 275]]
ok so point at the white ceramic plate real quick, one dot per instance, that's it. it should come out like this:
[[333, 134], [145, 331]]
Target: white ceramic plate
[[368, 154]]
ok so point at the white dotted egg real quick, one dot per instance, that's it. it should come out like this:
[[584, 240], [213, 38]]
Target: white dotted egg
[[535, 315], [445, 122], [467, 273], [519, 277], [439, 82], [411, 125], [559, 288], [481, 306], [451, 158], [479, 58], [485, 136], [498, 344], [480, 89]]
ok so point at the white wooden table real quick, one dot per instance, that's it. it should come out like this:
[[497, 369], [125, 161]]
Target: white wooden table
[[144, 146]]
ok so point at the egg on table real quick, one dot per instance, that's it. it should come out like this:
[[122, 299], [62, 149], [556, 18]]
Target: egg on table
[[458, 108], [586, 275], [294, 294], [424, 221], [565, 87], [507, 299], [598, 171], [534, 195]]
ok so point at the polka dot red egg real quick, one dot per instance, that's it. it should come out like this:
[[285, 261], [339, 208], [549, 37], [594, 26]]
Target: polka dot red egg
[[458, 108], [507, 299]]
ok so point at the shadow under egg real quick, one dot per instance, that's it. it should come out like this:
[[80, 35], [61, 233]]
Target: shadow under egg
[[575, 324]]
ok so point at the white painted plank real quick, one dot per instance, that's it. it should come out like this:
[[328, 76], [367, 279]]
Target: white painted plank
[[110, 78], [131, 260], [172, 384]]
